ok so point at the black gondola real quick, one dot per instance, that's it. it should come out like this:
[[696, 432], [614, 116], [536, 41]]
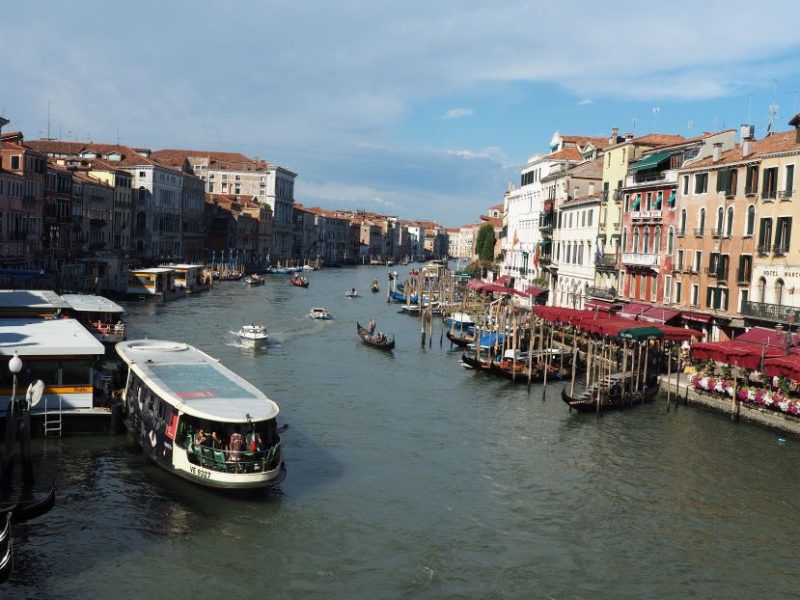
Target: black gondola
[[26, 510], [588, 403], [373, 339], [6, 549], [471, 360], [460, 341], [375, 287]]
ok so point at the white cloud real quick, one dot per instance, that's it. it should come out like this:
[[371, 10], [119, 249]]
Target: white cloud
[[458, 113], [584, 102]]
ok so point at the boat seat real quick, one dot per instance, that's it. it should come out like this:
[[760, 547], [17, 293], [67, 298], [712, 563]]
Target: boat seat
[[207, 458], [220, 460]]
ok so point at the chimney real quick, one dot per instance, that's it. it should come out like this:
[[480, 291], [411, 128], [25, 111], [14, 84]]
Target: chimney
[[747, 132], [795, 122], [746, 148], [717, 152], [614, 135], [628, 137]]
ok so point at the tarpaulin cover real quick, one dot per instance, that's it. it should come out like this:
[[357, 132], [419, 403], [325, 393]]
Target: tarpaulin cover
[[659, 315], [784, 366], [761, 335], [740, 354]]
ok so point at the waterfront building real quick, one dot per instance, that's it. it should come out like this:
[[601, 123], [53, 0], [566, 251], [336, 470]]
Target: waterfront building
[[716, 228], [22, 218], [92, 209], [619, 153], [307, 239], [774, 294], [569, 224], [56, 221], [524, 205], [649, 219]]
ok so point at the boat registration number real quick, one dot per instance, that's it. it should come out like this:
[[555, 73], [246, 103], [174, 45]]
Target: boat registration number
[[200, 473]]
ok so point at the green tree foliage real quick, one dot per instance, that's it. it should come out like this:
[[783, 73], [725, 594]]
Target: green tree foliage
[[485, 243]]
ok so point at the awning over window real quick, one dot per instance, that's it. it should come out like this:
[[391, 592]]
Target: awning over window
[[672, 198], [637, 202], [600, 305], [763, 336], [633, 309], [652, 161], [696, 317], [659, 315]]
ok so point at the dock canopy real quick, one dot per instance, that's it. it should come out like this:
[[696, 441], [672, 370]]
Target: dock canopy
[[633, 310], [761, 336]]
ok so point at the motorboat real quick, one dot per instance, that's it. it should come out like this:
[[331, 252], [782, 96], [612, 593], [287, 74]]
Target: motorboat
[[254, 279], [299, 280], [253, 334], [351, 293], [197, 419], [320, 314], [459, 321]]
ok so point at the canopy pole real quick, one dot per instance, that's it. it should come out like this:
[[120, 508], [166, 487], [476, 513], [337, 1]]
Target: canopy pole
[[669, 370], [574, 361]]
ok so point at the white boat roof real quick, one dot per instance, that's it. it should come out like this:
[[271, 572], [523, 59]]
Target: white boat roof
[[34, 299], [182, 266], [92, 303], [154, 270], [47, 337], [196, 383]]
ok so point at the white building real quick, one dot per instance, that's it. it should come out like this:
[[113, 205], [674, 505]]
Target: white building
[[526, 230]]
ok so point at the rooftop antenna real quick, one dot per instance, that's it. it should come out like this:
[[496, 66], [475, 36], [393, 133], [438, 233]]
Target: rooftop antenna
[[656, 111], [773, 108], [749, 108], [716, 121], [689, 127], [117, 136], [634, 120], [48, 119]]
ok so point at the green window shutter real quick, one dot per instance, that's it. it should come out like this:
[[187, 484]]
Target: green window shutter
[[709, 293], [789, 179], [723, 179]]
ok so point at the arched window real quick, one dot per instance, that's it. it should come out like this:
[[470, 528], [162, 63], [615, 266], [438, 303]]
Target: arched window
[[729, 223], [718, 227], [762, 289], [670, 241], [635, 247], [646, 244], [682, 225], [142, 194], [751, 220], [779, 292], [657, 241]]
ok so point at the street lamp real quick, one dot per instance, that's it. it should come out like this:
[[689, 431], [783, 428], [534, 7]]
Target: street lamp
[[15, 366]]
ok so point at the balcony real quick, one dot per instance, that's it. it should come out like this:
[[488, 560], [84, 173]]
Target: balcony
[[605, 196], [751, 191], [712, 272], [640, 260], [769, 195], [771, 312], [785, 195], [604, 293], [617, 195], [545, 260], [606, 262], [546, 227], [779, 249], [646, 215]]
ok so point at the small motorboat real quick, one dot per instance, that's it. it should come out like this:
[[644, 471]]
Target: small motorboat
[[351, 293], [254, 279], [308, 268], [320, 313], [299, 281], [375, 287], [253, 334], [459, 321]]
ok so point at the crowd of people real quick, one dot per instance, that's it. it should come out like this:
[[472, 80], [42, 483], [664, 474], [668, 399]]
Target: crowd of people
[[235, 446]]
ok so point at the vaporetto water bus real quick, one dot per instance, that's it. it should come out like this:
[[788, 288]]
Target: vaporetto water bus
[[199, 420]]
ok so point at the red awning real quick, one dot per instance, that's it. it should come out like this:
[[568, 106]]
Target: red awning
[[659, 315], [698, 317], [783, 366], [761, 336], [503, 280], [679, 334], [740, 354], [534, 291], [600, 305], [475, 285], [633, 309]]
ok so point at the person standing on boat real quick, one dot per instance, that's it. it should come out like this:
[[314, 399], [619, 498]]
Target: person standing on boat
[[371, 326], [236, 445]]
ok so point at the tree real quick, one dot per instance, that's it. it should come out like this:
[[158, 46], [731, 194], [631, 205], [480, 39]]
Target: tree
[[485, 243]]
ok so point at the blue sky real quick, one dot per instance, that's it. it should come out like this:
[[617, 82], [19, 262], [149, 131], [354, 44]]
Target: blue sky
[[421, 109]]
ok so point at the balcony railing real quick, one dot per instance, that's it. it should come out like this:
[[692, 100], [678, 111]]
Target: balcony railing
[[779, 249], [598, 292], [640, 260], [607, 262], [771, 312], [769, 195], [763, 250], [711, 272], [785, 194], [743, 277], [646, 215]]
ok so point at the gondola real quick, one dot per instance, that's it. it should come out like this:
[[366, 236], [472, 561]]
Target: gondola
[[587, 404], [472, 362], [375, 287], [6, 549], [370, 339], [460, 341], [26, 510]]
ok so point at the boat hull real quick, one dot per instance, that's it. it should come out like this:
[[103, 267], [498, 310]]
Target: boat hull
[[613, 403]]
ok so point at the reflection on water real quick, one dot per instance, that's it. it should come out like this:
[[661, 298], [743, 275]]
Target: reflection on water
[[409, 476]]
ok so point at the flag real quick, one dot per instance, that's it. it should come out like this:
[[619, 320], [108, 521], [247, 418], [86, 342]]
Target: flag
[[536, 258]]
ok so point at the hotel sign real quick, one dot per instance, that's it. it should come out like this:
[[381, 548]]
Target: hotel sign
[[783, 271]]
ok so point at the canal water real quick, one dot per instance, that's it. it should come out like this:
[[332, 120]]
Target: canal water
[[411, 477]]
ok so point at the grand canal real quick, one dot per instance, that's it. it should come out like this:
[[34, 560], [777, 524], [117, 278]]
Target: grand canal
[[410, 477]]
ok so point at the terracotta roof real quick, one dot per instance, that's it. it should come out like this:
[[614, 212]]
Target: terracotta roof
[[570, 153], [783, 141], [497, 207], [583, 140], [659, 139], [591, 169], [495, 221], [220, 160]]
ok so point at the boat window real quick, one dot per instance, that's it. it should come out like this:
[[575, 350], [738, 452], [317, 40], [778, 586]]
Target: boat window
[[76, 372], [46, 370]]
